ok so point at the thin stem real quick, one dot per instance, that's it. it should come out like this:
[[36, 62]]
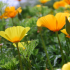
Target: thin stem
[[12, 21], [46, 51], [42, 9], [29, 65], [60, 48], [21, 67], [1, 49], [3, 24]]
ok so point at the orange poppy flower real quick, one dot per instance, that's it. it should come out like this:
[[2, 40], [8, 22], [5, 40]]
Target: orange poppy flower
[[67, 1], [53, 23], [58, 4], [44, 1], [11, 12]]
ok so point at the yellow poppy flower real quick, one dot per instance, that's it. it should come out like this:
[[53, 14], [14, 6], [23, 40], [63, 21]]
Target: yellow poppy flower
[[64, 31], [44, 1], [58, 4], [53, 23], [14, 34], [66, 66], [38, 5], [67, 1], [21, 44]]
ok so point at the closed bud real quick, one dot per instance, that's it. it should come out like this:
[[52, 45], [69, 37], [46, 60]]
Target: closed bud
[[68, 25]]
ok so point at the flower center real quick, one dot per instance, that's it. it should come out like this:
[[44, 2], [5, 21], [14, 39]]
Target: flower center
[[15, 39]]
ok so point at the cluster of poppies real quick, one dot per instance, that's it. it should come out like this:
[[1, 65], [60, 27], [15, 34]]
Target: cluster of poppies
[[54, 23], [57, 22]]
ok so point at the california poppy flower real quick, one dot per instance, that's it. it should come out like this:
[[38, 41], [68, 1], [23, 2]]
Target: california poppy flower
[[44, 1], [14, 34], [20, 44], [38, 5], [53, 23], [66, 66], [58, 4], [67, 1], [11, 12]]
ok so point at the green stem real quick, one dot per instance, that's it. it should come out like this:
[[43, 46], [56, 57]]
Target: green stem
[[1, 49], [12, 21], [42, 9], [3, 24], [60, 48], [29, 65], [21, 67], [51, 68]]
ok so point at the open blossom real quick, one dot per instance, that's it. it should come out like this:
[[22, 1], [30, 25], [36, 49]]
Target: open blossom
[[53, 23], [14, 34], [10, 12], [58, 4], [44, 1], [67, 1], [66, 66]]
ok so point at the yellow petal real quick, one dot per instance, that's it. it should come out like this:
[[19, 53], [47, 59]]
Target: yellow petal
[[40, 22], [24, 32], [50, 22], [64, 31], [20, 44], [2, 33], [61, 19], [19, 10], [66, 67]]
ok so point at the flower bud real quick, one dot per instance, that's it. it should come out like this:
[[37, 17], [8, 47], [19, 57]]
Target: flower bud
[[68, 25]]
